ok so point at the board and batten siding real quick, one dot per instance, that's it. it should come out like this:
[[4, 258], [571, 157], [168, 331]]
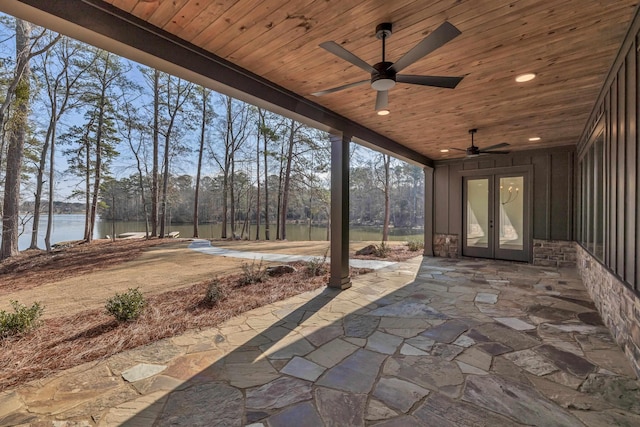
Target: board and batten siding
[[608, 223], [608, 158], [553, 184]]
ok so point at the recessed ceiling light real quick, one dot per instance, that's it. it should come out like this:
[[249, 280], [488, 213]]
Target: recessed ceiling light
[[444, 150], [383, 112], [534, 138], [527, 77]]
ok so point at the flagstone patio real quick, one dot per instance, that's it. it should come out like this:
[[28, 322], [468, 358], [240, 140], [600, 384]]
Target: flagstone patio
[[430, 342]]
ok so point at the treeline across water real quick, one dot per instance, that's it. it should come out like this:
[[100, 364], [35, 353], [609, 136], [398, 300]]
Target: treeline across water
[[308, 200]]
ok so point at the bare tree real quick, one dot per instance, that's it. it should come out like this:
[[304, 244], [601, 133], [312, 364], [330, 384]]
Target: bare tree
[[206, 117], [294, 127], [132, 128], [177, 93], [234, 131], [108, 73], [61, 74], [18, 91], [155, 192], [384, 182], [268, 134], [258, 181]]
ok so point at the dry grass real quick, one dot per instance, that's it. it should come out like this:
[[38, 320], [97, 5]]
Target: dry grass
[[63, 342], [33, 267]]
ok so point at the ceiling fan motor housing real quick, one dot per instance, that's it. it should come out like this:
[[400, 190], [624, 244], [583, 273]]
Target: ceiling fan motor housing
[[473, 151], [383, 78]]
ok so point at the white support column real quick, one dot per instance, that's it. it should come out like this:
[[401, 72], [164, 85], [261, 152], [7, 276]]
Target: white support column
[[339, 277], [428, 211]]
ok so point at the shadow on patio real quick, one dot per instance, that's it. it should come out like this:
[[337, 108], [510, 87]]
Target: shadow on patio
[[466, 343]]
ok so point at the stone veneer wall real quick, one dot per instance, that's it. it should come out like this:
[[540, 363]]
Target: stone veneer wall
[[554, 253], [445, 245], [618, 305]]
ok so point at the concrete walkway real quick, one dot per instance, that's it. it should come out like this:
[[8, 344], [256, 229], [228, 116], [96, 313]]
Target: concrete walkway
[[205, 247], [433, 342]]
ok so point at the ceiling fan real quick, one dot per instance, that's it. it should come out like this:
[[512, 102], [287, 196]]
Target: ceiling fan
[[475, 151], [384, 74]]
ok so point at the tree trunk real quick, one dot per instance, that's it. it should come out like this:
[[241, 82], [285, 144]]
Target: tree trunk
[[144, 202], [232, 208], [15, 151], [258, 185], [227, 165], [266, 185], [40, 183], [98, 166], [87, 186], [47, 237], [287, 182], [165, 186], [200, 151], [225, 194], [279, 208], [156, 142]]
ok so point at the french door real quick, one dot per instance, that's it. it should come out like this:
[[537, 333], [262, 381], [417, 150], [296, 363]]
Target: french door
[[496, 216]]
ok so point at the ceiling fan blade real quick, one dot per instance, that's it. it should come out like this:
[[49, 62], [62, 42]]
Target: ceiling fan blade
[[441, 35], [437, 81], [458, 149], [382, 100], [343, 87], [491, 147], [343, 53], [494, 152]]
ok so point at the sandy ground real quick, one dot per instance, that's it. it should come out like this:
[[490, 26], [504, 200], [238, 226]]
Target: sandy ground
[[157, 269]]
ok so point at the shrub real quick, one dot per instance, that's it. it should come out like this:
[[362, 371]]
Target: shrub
[[127, 306], [316, 266], [215, 293], [22, 320], [415, 245], [252, 274], [382, 250]]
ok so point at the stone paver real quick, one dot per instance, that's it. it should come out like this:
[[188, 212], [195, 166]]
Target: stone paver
[[516, 401], [303, 368], [398, 394], [278, 393], [428, 342], [357, 373], [515, 323], [142, 371], [338, 408]]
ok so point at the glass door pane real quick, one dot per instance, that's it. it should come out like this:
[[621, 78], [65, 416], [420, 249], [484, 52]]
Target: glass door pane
[[511, 213], [477, 227]]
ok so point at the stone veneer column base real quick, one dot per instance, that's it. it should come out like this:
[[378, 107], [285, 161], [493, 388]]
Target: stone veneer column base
[[445, 245], [554, 253], [618, 305]]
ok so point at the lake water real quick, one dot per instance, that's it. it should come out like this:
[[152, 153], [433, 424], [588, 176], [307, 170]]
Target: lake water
[[71, 227]]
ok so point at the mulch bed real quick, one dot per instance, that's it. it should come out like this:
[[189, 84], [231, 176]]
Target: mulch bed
[[64, 342]]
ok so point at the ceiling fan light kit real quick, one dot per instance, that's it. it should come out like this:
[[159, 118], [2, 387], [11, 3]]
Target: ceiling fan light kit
[[384, 74], [526, 77]]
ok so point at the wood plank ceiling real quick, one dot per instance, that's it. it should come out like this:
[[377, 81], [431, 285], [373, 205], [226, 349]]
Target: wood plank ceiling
[[569, 44]]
